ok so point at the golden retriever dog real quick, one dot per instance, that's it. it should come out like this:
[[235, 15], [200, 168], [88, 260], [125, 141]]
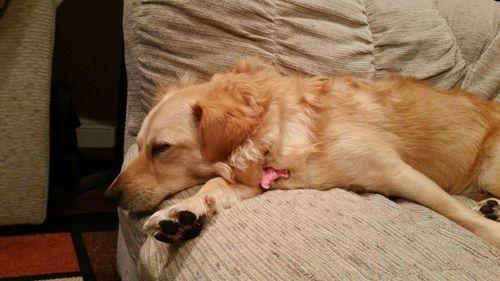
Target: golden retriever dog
[[398, 137]]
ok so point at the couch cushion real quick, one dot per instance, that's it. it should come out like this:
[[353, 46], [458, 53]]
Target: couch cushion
[[323, 235], [431, 40]]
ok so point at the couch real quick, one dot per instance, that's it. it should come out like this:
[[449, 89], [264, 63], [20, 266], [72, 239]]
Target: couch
[[310, 234], [26, 41]]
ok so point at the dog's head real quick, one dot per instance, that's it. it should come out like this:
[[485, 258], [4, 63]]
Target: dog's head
[[190, 136]]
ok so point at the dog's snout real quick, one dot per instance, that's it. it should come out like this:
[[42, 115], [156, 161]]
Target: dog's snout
[[113, 194]]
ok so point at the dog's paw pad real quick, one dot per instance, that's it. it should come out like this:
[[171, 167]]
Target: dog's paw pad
[[490, 208], [188, 227], [194, 229], [169, 227], [186, 217], [163, 238]]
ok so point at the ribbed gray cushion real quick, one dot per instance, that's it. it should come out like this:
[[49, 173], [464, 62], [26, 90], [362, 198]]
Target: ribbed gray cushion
[[307, 234], [26, 38], [324, 235], [126, 264], [135, 111], [446, 42]]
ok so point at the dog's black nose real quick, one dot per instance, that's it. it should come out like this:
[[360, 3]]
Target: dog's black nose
[[113, 194]]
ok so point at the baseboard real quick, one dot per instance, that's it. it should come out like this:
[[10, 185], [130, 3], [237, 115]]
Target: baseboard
[[95, 134]]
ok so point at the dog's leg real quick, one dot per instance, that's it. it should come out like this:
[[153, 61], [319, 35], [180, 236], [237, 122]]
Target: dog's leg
[[412, 185], [376, 167], [185, 219]]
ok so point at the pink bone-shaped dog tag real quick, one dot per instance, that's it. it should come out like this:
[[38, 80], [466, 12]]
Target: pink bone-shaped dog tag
[[271, 174]]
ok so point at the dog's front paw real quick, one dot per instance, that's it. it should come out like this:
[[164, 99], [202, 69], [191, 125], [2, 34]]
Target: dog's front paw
[[490, 208], [180, 222]]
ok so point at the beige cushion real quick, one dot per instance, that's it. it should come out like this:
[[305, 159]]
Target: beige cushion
[[445, 42], [324, 235]]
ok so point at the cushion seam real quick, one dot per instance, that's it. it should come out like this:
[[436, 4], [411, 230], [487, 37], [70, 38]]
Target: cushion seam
[[373, 61], [273, 36], [136, 52], [476, 63], [458, 52]]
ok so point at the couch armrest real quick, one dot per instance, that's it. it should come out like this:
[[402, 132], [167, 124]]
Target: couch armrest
[[26, 32]]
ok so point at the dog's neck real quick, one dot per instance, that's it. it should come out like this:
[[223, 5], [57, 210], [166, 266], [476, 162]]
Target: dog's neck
[[279, 142]]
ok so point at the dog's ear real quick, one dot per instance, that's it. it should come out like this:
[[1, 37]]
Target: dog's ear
[[225, 123]]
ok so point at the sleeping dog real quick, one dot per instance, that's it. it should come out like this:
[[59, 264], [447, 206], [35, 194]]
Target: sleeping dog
[[397, 137]]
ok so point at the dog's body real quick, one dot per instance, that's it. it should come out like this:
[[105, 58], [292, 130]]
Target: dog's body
[[398, 137]]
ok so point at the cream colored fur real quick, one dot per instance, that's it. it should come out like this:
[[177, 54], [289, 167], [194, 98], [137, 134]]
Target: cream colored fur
[[398, 137]]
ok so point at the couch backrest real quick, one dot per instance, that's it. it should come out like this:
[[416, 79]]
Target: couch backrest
[[450, 43]]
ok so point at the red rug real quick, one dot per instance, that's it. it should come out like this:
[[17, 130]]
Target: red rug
[[69, 247]]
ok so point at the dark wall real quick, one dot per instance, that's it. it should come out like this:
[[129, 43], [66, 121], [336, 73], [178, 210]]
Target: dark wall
[[87, 55]]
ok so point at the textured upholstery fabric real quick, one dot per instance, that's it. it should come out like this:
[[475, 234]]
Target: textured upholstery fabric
[[26, 38], [324, 235], [135, 111], [445, 42], [307, 234], [127, 265]]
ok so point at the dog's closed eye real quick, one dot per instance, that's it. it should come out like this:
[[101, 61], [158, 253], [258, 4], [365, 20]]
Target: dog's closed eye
[[158, 148]]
